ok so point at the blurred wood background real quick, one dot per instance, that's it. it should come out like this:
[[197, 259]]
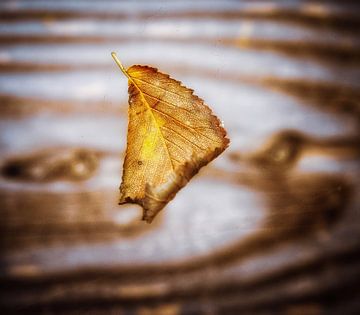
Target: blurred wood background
[[270, 227]]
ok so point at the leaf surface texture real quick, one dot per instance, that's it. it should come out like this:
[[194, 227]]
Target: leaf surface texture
[[171, 135]]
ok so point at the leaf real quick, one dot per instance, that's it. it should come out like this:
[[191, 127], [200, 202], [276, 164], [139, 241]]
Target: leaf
[[171, 135]]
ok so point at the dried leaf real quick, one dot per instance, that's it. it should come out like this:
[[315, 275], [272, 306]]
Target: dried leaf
[[171, 135]]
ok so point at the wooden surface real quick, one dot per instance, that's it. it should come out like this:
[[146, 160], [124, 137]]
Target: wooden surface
[[270, 227]]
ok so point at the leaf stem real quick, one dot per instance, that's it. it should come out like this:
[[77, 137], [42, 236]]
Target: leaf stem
[[118, 62]]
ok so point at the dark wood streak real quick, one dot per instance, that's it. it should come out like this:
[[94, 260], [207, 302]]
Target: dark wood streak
[[346, 21]]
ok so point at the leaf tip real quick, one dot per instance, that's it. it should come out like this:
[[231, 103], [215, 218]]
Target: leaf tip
[[147, 217]]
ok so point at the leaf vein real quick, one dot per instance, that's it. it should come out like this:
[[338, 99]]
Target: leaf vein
[[166, 102], [186, 139], [190, 128], [176, 145], [159, 87]]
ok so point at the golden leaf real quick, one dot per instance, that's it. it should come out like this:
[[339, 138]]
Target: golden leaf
[[171, 135]]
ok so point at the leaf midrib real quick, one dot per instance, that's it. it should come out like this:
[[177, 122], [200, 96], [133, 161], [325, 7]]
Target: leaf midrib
[[154, 118]]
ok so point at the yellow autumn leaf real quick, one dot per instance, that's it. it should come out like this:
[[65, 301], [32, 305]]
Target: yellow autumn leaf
[[171, 135]]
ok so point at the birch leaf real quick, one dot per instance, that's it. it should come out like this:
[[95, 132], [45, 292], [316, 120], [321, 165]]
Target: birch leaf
[[171, 135]]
